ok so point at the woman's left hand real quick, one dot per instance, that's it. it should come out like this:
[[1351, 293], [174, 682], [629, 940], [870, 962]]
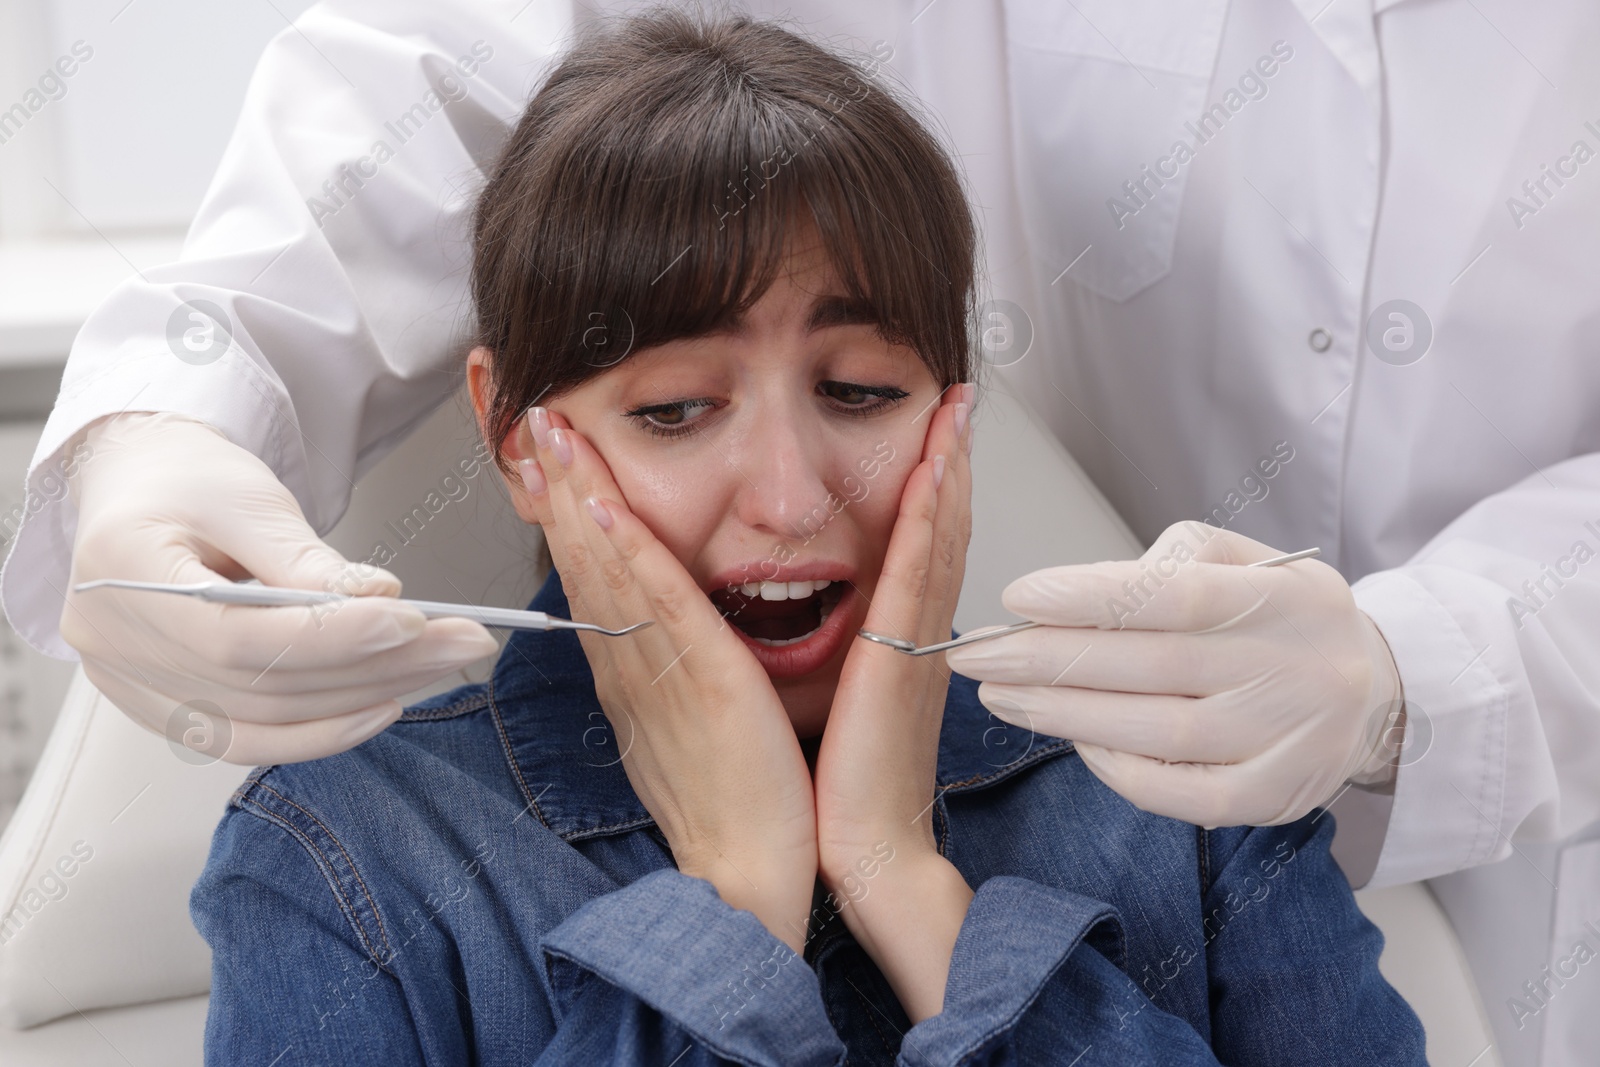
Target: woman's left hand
[[876, 766]]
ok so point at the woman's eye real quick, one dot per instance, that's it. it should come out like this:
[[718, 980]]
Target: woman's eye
[[671, 418], [861, 399]]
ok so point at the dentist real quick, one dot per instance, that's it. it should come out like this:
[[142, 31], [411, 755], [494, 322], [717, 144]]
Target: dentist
[[1279, 273]]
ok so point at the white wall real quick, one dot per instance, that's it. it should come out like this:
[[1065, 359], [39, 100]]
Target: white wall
[[131, 138]]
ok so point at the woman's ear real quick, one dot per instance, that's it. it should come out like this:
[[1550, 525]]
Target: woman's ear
[[480, 368], [517, 445]]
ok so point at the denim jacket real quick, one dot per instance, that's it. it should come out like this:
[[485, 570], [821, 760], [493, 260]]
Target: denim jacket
[[479, 884]]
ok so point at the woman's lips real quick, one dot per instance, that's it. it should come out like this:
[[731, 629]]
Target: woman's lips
[[803, 657]]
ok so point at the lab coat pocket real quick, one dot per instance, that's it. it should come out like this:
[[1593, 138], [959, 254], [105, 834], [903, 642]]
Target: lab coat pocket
[[1101, 91]]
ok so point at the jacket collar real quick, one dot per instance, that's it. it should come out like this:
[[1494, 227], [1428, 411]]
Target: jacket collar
[[565, 755]]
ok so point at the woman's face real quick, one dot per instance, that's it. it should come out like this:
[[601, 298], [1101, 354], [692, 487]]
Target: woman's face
[[770, 459]]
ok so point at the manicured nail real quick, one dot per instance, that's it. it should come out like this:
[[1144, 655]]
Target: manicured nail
[[539, 426], [597, 512], [938, 470], [533, 479], [973, 656], [961, 419], [561, 445], [362, 726], [969, 393]]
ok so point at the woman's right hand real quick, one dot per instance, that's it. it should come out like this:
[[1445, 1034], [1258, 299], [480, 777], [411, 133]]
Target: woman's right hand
[[705, 740]]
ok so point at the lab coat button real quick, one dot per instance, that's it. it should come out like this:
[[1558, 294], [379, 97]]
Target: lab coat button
[[1320, 340]]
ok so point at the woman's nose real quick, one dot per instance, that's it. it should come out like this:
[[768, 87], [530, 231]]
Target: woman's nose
[[783, 490]]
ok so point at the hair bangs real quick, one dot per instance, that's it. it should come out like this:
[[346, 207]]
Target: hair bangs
[[656, 186]]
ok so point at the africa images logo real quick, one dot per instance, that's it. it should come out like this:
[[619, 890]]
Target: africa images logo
[[198, 332]]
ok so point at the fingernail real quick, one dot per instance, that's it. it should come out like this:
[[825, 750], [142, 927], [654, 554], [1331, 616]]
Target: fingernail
[[597, 512], [961, 419], [404, 627], [533, 479], [561, 445], [374, 721], [464, 650], [539, 426], [1009, 713], [367, 580], [938, 470], [969, 393]]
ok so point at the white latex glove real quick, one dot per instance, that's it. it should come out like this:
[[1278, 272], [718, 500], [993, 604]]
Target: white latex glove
[[169, 499], [1198, 688]]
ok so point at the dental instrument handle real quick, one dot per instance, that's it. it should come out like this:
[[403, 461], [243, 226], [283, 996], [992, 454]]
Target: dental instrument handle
[[251, 593], [267, 596], [273, 596], [899, 644], [257, 595], [506, 618], [1304, 553]]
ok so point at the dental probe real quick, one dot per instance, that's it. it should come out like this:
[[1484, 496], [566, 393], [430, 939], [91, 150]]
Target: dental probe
[[900, 645], [275, 596]]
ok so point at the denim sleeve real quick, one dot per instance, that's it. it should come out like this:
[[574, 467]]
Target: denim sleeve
[[664, 967], [290, 982], [1035, 978], [1293, 963]]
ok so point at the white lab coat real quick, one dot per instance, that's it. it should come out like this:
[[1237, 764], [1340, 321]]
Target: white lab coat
[[1186, 325]]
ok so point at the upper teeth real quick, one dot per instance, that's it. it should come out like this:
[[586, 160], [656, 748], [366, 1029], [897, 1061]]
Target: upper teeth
[[783, 590]]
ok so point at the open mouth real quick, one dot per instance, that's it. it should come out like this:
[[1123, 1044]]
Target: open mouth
[[793, 628], [779, 614]]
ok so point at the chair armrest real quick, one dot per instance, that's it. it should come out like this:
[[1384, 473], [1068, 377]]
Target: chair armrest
[[96, 865]]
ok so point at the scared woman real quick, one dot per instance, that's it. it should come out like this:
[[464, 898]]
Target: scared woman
[[743, 834]]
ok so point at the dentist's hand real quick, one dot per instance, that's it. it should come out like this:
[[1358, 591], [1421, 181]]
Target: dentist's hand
[[705, 740], [1196, 687], [169, 499]]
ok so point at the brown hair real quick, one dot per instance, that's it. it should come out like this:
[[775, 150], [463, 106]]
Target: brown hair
[[647, 191]]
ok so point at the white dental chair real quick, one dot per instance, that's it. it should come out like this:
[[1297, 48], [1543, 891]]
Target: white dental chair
[[101, 966]]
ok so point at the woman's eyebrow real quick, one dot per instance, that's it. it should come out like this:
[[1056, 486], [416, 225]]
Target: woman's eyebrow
[[826, 311], [840, 311]]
